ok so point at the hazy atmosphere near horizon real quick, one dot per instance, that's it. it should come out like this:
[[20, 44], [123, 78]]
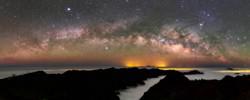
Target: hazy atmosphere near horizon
[[161, 33]]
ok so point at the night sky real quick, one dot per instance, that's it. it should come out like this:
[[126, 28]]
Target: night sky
[[177, 33]]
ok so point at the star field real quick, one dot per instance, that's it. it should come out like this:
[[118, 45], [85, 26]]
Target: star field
[[199, 33]]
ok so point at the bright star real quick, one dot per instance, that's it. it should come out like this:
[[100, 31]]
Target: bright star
[[68, 9], [201, 24]]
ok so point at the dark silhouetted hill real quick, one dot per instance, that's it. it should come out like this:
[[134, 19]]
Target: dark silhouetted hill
[[74, 85], [193, 72], [175, 86]]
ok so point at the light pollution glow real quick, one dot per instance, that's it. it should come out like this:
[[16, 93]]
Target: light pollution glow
[[137, 63], [235, 71]]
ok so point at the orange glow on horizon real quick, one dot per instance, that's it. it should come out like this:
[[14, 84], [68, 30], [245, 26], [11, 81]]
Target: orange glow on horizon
[[138, 63], [133, 64], [161, 64]]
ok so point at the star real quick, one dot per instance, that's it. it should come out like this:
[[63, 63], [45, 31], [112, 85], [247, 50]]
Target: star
[[68, 9], [201, 25], [208, 15], [106, 48], [177, 20]]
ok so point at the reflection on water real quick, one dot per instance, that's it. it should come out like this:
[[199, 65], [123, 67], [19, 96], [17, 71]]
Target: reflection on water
[[246, 71], [178, 69]]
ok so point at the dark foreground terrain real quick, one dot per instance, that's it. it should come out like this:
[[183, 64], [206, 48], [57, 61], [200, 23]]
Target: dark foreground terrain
[[175, 86], [105, 85], [74, 85]]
